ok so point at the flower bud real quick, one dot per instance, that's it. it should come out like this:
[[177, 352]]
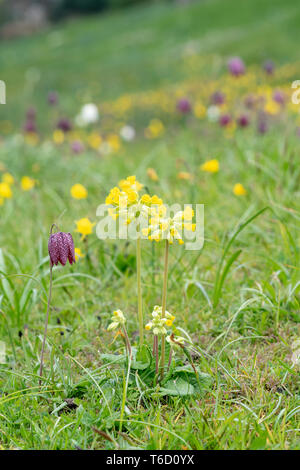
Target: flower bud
[[61, 248]]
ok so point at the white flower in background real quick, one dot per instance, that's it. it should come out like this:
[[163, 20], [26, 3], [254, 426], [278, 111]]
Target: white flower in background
[[127, 133], [89, 114], [213, 113]]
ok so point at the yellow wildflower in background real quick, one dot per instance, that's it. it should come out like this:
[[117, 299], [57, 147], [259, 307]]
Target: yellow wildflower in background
[[94, 140], [199, 110], [154, 129], [184, 175], [5, 190], [8, 178], [78, 191], [239, 190], [114, 142], [211, 166], [84, 226], [58, 136], [1, 201], [78, 254], [152, 174], [27, 183]]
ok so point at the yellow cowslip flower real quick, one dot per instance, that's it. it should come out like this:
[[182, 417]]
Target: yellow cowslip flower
[[199, 110], [211, 166], [118, 320], [5, 190], [94, 140], [239, 190], [78, 191], [78, 254], [152, 174], [58, 136], [84, 226], [27, 183], [184, 175], [272, 107], [167, 228], [158, 322], [130, 183], [8, 178]]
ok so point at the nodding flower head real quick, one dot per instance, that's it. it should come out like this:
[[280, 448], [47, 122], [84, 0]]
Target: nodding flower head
[[61, 248]]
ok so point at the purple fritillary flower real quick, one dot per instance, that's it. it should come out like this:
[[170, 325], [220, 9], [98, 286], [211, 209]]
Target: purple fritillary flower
[[243, 120], [279, 97], [217, 98], [236, 66], [224, 120], [61, 248], [184, 106], [30, 126], [64, 125], [77, 146], [262, 126], [52, 98], [268, 67]]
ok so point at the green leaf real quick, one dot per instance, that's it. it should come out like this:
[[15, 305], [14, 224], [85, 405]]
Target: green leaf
[[142, 358], [177, 387]]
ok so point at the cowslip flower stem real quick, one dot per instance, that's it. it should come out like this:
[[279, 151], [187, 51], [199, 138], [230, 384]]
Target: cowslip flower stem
[[170, 359], [127, 342], [164, 304], [156, 353], [139, 290], [46, 324]]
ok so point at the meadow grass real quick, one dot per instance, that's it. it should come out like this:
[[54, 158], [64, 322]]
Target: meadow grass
[[237, 298]]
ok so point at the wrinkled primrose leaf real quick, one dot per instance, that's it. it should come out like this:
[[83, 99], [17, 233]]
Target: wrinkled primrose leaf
[[184, 382]]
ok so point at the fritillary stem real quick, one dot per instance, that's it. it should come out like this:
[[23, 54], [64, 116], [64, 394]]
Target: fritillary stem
[[46, 325], [164, 303], [47, 313], [139, 290]]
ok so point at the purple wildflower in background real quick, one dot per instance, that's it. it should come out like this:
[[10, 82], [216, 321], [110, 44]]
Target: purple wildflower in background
[[217, 98], [279, 97], [268, 67], [30, 126], [77, 146], [262, 126], [64, 125], [52, 98], [224, 120], [61, 248], [236, 66], [243, 120], [184, 106]]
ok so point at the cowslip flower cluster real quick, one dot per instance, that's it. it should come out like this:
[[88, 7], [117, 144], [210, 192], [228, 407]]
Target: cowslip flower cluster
[[117, 320], [163, 227], [158, 323], [127, 203]]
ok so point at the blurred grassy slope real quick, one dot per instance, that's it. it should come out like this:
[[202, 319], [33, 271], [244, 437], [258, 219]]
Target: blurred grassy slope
[[101, 57]]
